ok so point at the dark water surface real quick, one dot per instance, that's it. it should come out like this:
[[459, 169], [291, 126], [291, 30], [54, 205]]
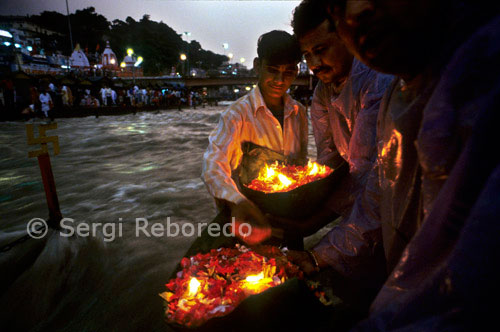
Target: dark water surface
[[135, 166]]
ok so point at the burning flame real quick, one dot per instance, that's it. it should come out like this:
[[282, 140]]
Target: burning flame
[[224, 278], [194, 285], [255, 284], [314, 169], [255, 278], [282, 178]]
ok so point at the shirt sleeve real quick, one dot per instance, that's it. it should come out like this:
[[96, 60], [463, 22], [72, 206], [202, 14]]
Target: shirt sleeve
[[355, 245], [362, 146], [222, 156], [326, 150]]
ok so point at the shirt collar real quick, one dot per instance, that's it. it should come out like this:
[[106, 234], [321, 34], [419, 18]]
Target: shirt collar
[[258, 103]]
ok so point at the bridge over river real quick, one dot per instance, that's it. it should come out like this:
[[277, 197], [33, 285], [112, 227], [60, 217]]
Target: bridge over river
[[211, 81]]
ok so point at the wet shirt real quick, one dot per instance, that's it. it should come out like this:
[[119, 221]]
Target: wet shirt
[[249, 120], [448, 269], [429, 189], [45, 99], [344, 119], [344, 123]]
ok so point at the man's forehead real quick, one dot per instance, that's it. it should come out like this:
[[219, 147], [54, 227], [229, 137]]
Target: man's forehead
[[316, 36], [288, 67], [279, 65]]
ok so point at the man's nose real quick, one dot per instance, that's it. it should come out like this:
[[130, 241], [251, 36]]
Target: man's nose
[[278, 77], [357, 10], [313, 62]]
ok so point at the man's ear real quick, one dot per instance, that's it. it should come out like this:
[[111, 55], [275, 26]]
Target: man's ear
[[256, 66]]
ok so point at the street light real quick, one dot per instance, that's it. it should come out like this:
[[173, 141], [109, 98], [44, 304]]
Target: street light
[[183, 58], [130, 53], [5, 33], [230, 56], [139, 61], [187, 34], [69, 26], [242, 60]]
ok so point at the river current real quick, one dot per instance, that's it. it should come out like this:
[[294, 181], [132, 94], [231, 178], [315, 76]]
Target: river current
[[111, 169]]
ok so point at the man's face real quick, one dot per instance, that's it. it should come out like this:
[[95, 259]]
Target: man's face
[[393, 36], [274, 80], [326, 54]]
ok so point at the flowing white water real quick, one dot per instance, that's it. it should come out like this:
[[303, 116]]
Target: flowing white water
[[135, 166]]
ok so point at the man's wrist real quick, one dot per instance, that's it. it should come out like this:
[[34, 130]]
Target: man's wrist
[[314, 259]]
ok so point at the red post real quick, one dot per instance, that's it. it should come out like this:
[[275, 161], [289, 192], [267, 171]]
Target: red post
[[49, 185], [45, 168]]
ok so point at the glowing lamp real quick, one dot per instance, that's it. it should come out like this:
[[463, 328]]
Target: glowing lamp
[[5, 33], [139, 61]]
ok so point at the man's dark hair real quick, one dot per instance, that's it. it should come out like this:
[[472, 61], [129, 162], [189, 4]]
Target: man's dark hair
[[308, 16], [278, 47]]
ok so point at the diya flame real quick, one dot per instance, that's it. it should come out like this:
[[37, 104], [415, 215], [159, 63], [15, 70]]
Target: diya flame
[[253, 284], [214, 284], [283, 178]]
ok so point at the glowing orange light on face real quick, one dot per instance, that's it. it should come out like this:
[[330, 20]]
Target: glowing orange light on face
[[283, 178]]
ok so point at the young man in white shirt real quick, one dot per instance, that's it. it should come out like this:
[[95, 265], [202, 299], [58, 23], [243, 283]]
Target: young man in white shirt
[[268, 117]]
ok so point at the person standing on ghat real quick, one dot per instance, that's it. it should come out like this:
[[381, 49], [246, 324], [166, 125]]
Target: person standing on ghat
[[267, 117], [344, 112], [433, 197]]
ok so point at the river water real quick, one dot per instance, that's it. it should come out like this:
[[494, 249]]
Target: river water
[[111, 169]]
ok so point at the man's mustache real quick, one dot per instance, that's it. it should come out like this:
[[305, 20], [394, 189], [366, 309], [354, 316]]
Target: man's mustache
[[316, 71]]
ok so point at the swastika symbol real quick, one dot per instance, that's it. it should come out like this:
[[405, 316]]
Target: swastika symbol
[[42, 139]]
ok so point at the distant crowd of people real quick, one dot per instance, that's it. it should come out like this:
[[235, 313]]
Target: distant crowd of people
[[43, 100]]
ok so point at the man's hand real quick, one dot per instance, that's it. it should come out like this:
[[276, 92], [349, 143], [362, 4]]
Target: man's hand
[[304, 260], [247, 212]]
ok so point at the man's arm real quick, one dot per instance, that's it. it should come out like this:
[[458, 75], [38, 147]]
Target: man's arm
[[362, 146], [351, 246], [326, 150], [222, 156], [354, 246]]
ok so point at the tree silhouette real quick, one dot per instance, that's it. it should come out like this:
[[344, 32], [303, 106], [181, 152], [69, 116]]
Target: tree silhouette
[[156, 42]]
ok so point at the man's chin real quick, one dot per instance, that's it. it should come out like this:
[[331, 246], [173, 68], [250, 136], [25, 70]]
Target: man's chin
[[325, 76], [326, 79], [276, 93]]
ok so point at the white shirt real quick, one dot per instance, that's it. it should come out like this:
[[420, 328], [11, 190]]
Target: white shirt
[[249, 120], [45, 99]]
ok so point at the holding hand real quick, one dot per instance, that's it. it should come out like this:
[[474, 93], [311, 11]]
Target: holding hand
[[306, 260], [247, 212]]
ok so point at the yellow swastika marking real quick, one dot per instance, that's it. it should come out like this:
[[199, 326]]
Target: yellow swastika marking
[[42, 139]]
